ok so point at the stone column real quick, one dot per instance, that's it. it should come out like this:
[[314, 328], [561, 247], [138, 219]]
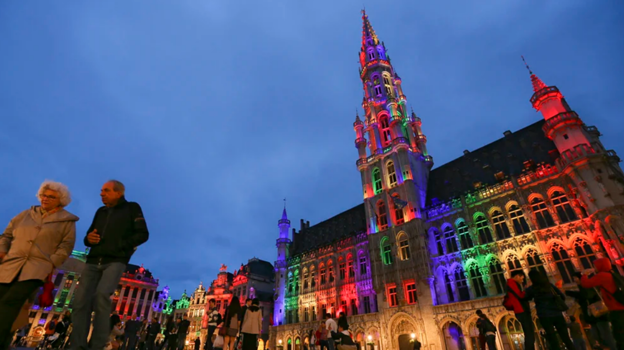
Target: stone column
[[136, 302], [120, 300], [127, 307]]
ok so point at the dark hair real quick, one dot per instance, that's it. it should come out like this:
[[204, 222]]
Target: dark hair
[[479, 312], [234, 308], [211, 301], [255, 301], [577, 274], [517, 273], [539, 280]]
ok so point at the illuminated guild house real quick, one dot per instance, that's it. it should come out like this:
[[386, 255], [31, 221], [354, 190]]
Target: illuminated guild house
[[442, 242], [135, 293], [252, 280]]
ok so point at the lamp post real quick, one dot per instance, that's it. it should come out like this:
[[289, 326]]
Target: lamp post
[[370, 343]]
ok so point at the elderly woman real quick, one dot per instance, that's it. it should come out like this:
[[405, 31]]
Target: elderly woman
[[36, 241]]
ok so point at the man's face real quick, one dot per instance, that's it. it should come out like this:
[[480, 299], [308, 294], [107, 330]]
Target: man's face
[[519, 278], [248, 302], [212, 304], [110, 197]]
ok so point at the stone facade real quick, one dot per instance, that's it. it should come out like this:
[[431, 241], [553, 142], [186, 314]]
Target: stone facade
[[441, 242]]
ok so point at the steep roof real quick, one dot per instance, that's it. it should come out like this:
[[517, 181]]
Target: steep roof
[[345, 224], [261, 267], [506, 155]]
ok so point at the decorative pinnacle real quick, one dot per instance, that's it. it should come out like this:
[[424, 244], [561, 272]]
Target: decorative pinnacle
[[284, 219], [538, 84], [367, 31]]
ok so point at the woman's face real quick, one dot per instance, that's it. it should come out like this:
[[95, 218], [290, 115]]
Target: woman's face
[[50, 200]]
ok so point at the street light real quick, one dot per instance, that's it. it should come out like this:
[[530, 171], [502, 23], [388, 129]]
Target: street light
[[280, 342], [413, 335], [370, 337]]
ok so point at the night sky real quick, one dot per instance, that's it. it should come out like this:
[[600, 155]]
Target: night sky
[[213, 112]]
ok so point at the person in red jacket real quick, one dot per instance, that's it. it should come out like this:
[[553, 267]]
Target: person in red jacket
[[604, 279], [515, 295]]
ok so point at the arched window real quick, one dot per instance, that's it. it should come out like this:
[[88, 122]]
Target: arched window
[[382, 215], [584, 252], [449, 287], [461, 285], [483, 229], [534, 261], [386, 136], [363, 264], [342, 268], [392, 178], [350, 267], [330, 271], [518, 221], [513, 263], [377, 186], [464, 235], [398, 212], [377, 86], [386, 251], [322, 271], [305, 278], [404, 251], [449, 238], [297, 281], [500, 226], [438, 240], [543, 217], [476, 279], [387, 85], [371, 55], [312, 277], [562, 207], [498, 277], [563, 262]]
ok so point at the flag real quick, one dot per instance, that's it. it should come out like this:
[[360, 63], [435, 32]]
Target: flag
[[398, 202]]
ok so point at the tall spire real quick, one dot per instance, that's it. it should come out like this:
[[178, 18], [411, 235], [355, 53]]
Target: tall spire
[[538, 84], [368, 33], [284, 219]]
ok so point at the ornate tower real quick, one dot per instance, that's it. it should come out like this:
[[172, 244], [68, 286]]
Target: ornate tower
[[393, 159], [593, 169], [283, 248]]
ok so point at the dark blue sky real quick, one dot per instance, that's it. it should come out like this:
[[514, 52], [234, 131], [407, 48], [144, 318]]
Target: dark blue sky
[[211, 112]]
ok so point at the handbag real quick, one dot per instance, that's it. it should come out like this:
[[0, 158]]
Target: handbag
[[598, 308], [559, 303]]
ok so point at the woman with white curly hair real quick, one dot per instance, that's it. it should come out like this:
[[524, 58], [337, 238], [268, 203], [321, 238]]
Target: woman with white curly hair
[[37, 241]]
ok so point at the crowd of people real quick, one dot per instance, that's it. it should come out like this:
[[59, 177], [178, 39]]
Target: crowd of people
[[239, 328]]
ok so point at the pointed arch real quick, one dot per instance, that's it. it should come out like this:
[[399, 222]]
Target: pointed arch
[[562, 205], [377, 183], [386, 250], [584, 252], [500, 224], [403, 246], [382, 215], [562, 261], [497, 274], [540, 211], [450, 241], [518, 221], [534, 260], [463, 232], [484, 231], [384, 128], [437, 240], [392, 176]]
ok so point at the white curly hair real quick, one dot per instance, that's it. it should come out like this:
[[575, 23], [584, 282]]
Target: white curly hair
[[62, 190]]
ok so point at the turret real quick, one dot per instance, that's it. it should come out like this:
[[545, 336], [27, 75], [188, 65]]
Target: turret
[[283, 248]]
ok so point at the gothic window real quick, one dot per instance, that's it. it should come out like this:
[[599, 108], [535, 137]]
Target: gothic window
[[380, 51], [410, 292], [438, 240], [363, 267], [500, 226], [563, 262], [461, 285], [584, 252], [398, 212], [518, 221], [371, 55], [312, 277], [543, 217], [313, 312], [534, 261], [342, 268], [387, 85], [392, 296], [513, 263], [562, 207], [354, 309], [377, 187], [306, 315], [392, 178], [386, 251], [367, 305], [386, 136], [377, 86], [330, 271], [464, 235], [476, 279], [322, 271], [450, 240], [498, 277], [350, 268], [449, 288], [297, 281], [382, 215], [305, 279], [483, 229], [404, 251]]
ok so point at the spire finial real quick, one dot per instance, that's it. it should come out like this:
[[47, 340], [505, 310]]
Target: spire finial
[[526, 65]]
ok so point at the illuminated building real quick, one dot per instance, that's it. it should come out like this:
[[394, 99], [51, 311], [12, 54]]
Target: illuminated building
[[442, 241], [252, 280], [137, 286]]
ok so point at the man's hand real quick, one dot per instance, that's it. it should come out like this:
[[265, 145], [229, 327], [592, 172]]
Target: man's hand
[[2, 255], [93, 237]]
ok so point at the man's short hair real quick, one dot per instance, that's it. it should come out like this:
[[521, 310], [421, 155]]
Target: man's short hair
[[118, 186], [517, 273]]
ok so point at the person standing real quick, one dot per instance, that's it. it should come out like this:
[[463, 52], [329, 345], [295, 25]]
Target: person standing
[[152, 333], [118, 228], [330, 326], [35, 242], [252, 325], [183, 329], [212, 318], [521, 307], [133, 327]]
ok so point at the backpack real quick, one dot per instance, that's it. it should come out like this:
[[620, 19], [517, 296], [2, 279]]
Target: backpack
[[618, 295]]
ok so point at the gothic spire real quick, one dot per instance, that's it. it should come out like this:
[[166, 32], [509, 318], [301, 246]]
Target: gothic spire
[[368, 33], [538, 84]]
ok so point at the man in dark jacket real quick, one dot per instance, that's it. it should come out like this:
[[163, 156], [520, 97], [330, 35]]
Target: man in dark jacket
[[183, 329], [118, 228], [132, 329]]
